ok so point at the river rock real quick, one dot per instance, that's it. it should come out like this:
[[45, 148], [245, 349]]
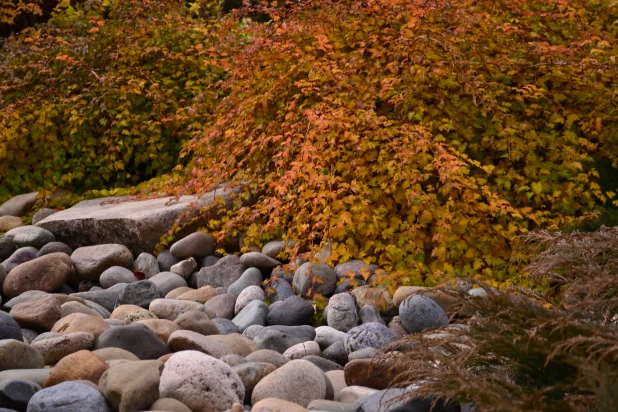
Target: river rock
[[201, 382], [56, 348], [55, 247], [300, 350], [253, 314], [292, 311], [198, 244], [201, 295], [374, 335], [278, 290], [304, 279], [183, 340], [107, 298], [337, 379], [258, 260], [184, 268], [171, 308], [368, 314], [443, 299], [377, 296], [248, 295], [40, 314], [390, 400], [177, 292], [42, 214], [325, 336], [75, 307], [20, 256], [235, 342], [15, 394], [115, 275], [342, 312], [365, 353], [222, 306], [325, 365], [225, 326], [19, 205], [225, 272], [19, 355], [276, 405], [251, 373], [418, 312], [355, 269], [80, 322], [233, 359], [165, 260], [108, 354], [132, 385], [135, 338], [131, 313], [7, 247], [297, 381], [9, 222], [274, 247], [163, 328], [33, 236], [9, 329], [69, 397], [91, 261], [280, 338], [167, 281], [267, 356], [140, 293], [45, 273], [252, 331], [146, 264], [351, 394], [323, 405], [81, 365], [169, 405], [250, 277], [196, 321]]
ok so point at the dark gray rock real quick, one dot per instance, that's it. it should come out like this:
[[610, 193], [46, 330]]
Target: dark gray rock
[[165, 260], [136, 338], [369, 314], [7, 247], [342, 312], [374, 335], [304, 279], [386, 401], [418, 312], [69, 396], [278, 290], [42, 214], [55, 247], [9, 329], [209, 261], [293, 311], [104, 297], [325, 364], [197, 245], [29, 335], [15, 393], [365, 353], [222, 305], [33, 236], [139, 293], [258, 260], [225, 326], [281, 338], [18, 205], [336, 353], [250, 277], [225, 272], [253, 314], [21, 255]]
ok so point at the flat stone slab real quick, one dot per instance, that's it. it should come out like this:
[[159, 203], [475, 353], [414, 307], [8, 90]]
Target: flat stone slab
[[139, 225]]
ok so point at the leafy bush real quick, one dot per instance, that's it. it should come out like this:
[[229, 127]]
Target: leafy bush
[[520, 351], [420, 135], [102, 96]]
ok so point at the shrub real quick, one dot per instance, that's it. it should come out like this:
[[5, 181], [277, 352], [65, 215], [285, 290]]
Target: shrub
[[103, 95], [420, 135]]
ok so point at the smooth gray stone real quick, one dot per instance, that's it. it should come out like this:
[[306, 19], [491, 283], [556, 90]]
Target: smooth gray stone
[[146, 264], [25, 297], [348, 285], [37, 376], [325, 364], [342, 312], [165, 260], [209, 261], [139, 293], [69, 396], [21, 255], [15, 393], [365, 353], [385, 400], [116, 274], [136, 338], [19, 205], [326, 336], [323, 405], [304, 275], [281, 338], [7, 247], [268, 356], [33, 236], [252, 331], [222, 305], [100, 309], [374, 335], [55, 247], [281, 290], [336, 353], [368, 314], [253, 314], [167, 281], [250, 277], [225, 272], [225, 326], [258, 260], [42, 214], [197, 245], [104, 297], [418, 312], [292, 311], [355, 268], [9, 329]]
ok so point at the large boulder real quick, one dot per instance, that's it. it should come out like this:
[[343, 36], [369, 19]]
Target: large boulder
[[45, 273], [136, 224]]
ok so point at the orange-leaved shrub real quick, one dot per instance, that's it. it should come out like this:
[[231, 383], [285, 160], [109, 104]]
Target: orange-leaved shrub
[[422, 135], [103, 95]]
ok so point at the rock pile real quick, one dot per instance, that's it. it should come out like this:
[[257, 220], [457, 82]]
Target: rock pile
[[99, 329]]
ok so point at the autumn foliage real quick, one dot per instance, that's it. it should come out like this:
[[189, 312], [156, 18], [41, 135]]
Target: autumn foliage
[[420, 135]]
